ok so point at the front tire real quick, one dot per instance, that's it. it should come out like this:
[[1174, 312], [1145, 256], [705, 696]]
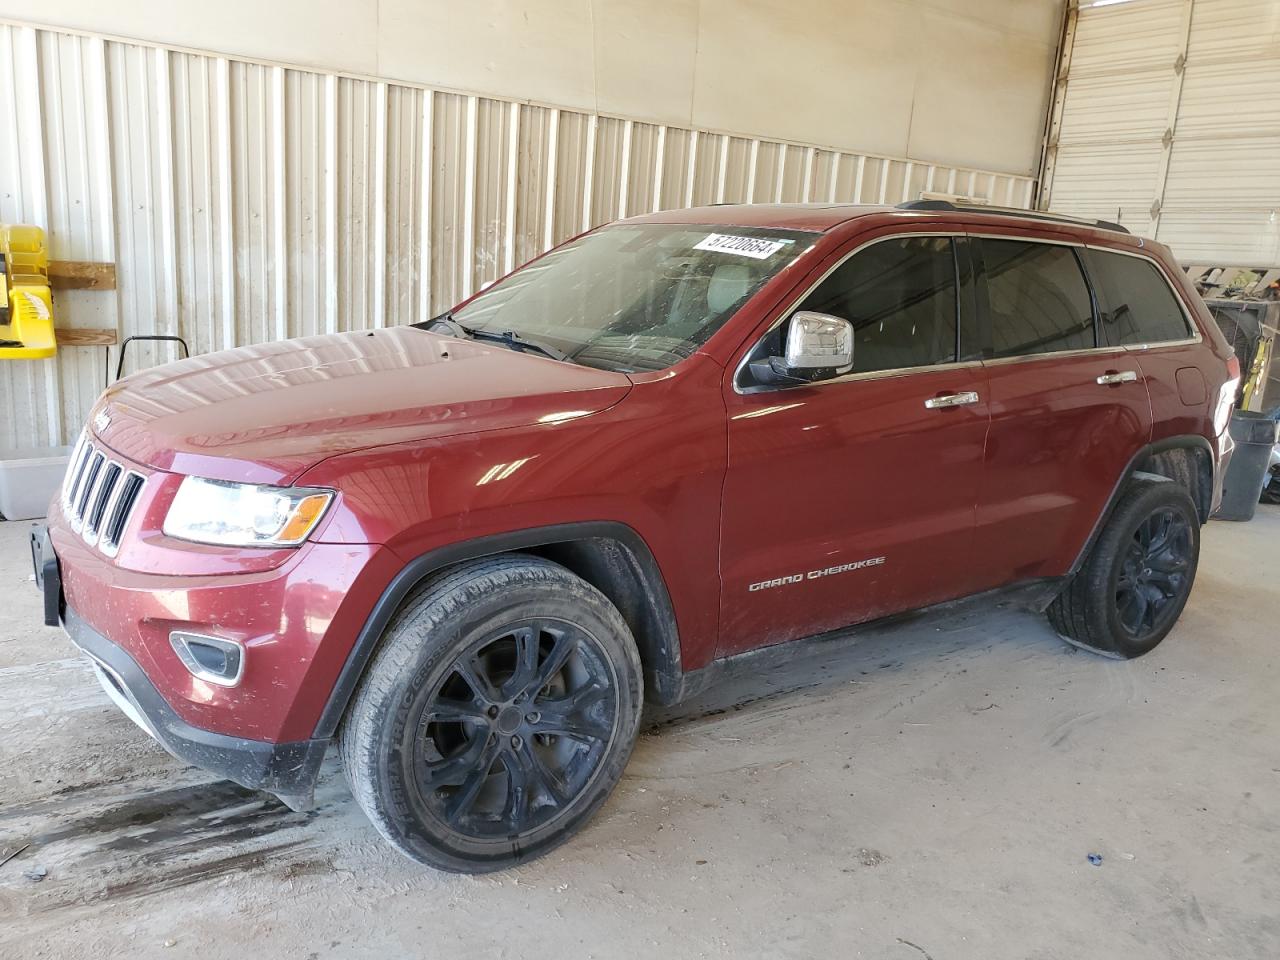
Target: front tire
[[496, 717], [1138, 575]]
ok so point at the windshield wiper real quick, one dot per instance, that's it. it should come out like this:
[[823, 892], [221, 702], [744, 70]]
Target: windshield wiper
[[445, 324], [517, 342]]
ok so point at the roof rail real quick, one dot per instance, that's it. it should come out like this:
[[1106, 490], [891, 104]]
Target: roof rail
[[1009, 212]]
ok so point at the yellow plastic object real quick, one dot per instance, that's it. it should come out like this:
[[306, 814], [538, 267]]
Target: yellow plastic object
[[26, 308], [1256, 376]]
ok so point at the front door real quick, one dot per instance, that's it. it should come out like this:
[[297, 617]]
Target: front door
[[854, 498]]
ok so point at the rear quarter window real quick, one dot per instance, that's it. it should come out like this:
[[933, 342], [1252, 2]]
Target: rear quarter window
[[1135, 303]]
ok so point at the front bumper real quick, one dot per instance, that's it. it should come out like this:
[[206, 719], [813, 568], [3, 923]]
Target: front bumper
[[288, 770], [297, 619]]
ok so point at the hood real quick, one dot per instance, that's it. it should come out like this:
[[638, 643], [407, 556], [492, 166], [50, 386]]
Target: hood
[[266, 413]]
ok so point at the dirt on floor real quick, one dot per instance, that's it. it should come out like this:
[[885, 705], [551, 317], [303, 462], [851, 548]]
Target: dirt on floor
[[939, 790]]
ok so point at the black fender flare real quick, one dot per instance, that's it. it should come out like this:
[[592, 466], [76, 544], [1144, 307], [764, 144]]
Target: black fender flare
[[661, 653]]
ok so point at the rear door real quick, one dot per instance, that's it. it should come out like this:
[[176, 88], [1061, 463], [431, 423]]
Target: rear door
[[1067, 414], [854, 498], [1139, 311]]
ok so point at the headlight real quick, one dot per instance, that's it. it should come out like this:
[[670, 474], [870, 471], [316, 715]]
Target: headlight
[[244, 514]]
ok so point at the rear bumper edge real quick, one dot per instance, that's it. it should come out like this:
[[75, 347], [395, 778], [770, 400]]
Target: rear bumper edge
[[289, 770], [1226, 446]]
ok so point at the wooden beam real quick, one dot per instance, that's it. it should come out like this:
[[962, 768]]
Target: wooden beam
[[85, 336], [81, 275]]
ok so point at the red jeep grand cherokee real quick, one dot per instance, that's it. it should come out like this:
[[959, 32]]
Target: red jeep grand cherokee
[[468, 552]]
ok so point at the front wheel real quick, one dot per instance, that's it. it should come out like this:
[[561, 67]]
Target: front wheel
[[496, 717], [1138, 575]]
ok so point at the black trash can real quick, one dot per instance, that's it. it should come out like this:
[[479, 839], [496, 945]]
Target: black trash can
[[1255, 434]]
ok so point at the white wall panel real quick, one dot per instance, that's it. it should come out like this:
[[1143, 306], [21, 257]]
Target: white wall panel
[[245, 201], [1168, 120], [79, 206], [30, 389], [957, 81], [307, 208]]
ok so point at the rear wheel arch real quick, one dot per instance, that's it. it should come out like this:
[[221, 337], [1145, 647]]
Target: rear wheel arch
[[1186, 462], [610, 556], [1138, 575], [1185, 459]]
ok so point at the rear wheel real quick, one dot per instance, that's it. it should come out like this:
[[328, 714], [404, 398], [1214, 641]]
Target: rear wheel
[[496, 717], [1138, 576]]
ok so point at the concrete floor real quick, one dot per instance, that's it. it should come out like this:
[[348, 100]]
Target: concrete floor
[[929, 792]]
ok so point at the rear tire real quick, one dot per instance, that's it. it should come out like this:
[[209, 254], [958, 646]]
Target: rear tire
[[1138, 575], [496, 717]]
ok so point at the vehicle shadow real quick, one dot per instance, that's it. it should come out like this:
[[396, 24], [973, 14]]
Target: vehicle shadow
[[827, 662]]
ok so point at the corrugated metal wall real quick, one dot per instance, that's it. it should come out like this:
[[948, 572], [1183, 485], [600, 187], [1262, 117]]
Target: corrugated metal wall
[[1167, 118], [245, 201]]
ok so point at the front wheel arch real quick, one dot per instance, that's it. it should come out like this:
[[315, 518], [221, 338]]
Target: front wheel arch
[[609, 555]]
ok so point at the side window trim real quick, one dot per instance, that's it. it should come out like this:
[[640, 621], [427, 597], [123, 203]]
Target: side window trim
[[960, 295], [1094, 296], [981, 297], [1078, 253], [956, 235], [972, 319]]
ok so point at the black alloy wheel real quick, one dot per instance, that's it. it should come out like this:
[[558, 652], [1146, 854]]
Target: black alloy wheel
[[1153, 577], [1136, 578], [516, 729], [496, 716]]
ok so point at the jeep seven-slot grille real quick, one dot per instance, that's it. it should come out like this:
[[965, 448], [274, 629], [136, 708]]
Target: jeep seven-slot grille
[[98, 495]]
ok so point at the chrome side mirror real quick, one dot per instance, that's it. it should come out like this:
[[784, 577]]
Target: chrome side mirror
[[818, 347], [819, 341]]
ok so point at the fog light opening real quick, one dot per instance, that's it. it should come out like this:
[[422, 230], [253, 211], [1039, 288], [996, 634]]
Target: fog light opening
[[213, 659]]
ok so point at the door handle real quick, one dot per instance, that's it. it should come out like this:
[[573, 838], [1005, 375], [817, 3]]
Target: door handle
[[951, 400], [1124, 376]]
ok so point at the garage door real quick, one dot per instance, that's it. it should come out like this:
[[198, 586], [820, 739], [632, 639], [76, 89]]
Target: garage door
[[1166, 118]]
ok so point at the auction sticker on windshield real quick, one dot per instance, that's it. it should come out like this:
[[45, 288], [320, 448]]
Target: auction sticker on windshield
[[752, 247]]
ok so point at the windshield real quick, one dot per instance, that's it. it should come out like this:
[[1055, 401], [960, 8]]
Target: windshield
[[634, 297]]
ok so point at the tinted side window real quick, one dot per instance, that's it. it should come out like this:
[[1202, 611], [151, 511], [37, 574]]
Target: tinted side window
[[1037, 298], [1136, 302], [900, 296]]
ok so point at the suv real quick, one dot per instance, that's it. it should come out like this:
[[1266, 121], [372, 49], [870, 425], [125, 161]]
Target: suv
[[469, 550]]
